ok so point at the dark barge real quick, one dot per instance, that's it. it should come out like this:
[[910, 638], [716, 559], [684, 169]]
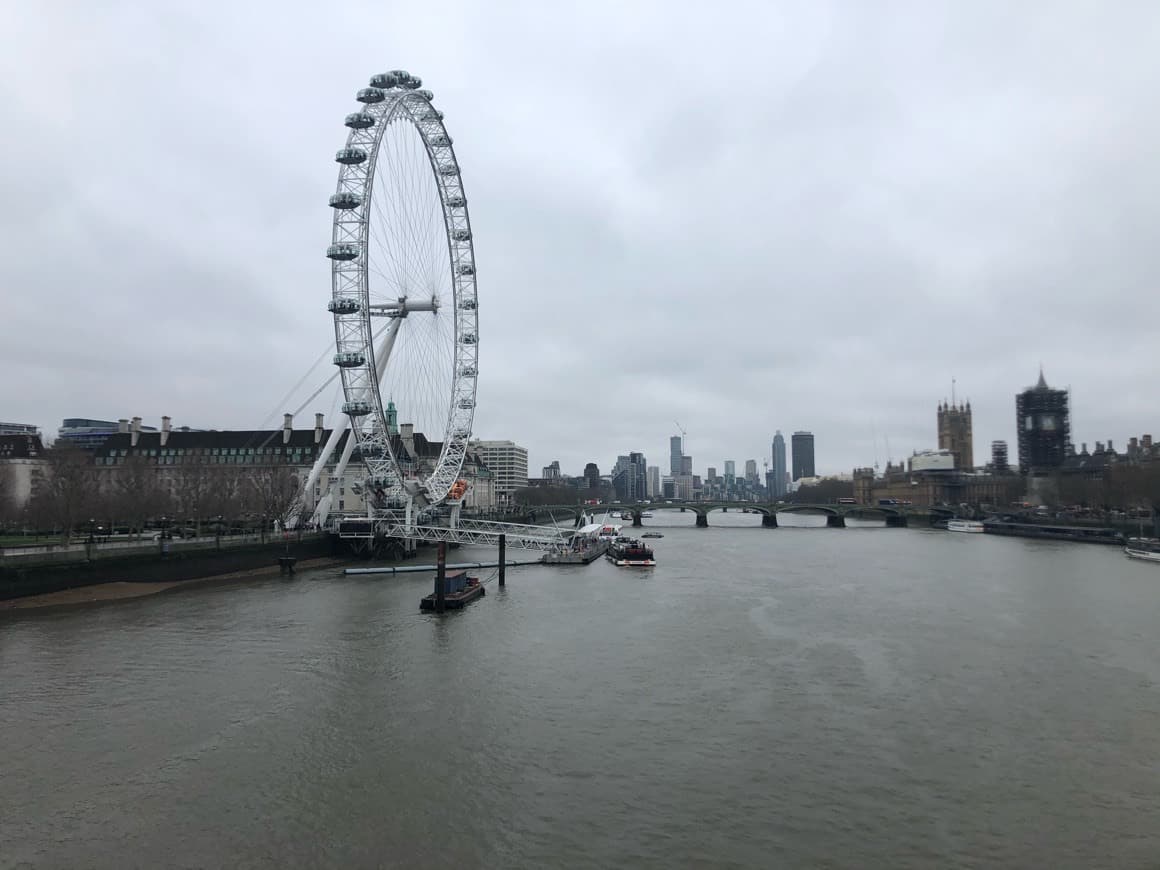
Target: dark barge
[[1053, 533], [461, 590]]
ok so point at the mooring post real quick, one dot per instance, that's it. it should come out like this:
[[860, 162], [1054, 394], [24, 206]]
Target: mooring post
[[441, 578], [502, 557]]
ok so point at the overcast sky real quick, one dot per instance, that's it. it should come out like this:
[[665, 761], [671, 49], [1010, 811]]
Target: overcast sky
[[742, 217]]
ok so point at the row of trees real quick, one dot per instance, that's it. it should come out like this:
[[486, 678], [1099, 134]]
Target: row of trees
[[72, 492]]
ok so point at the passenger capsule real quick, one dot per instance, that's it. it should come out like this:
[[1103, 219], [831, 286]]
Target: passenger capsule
[[431, 115], [467, 372], [350, 156], [468, 305], [377, 481], [425, 94], [359, 120], [370, 95], [466, 403], [411, 83], [466, 269], [456, 202], [349, 359], [345, 199], [448, 169], [401, 75], [469, 338], [461, 235], [342, 306], [441, 139], [384, 81], [342, 252], [356, 409]]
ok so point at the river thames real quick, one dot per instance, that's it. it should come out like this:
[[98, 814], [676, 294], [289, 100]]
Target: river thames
[[798, 697]]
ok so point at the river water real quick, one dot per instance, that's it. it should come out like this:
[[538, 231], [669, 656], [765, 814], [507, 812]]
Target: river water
[[799, 697]]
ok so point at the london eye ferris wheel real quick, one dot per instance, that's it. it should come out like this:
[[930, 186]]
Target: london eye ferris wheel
[[403, 292]]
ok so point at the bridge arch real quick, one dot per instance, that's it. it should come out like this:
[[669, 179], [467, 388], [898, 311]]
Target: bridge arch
[[828, 510]]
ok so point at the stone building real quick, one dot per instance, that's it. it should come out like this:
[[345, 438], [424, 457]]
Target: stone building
[[23, 465], [932, 488], [954, 434], [200, 471]]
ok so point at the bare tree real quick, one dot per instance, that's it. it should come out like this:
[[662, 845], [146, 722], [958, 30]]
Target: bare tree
[[194, 492], [223, 494], [272, 491], [136, 494], [67, 493]]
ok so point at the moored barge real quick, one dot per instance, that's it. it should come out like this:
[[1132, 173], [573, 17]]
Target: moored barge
[[1054, 533], [631, 553], [460, 590]]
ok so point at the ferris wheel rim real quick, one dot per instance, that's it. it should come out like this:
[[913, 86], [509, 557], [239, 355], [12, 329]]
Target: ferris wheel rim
[[400, 102]]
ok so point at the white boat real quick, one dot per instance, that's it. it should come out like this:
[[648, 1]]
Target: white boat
[[1144, 555], [973, 526], [1144, 549]]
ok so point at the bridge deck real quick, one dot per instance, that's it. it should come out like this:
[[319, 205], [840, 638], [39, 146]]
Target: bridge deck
[[522, 537]]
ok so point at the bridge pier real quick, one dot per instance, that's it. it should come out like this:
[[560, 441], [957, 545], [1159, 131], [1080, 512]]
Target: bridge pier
[[835, 521], [896, 522], [702, 521], [636, 523], [769, 521]]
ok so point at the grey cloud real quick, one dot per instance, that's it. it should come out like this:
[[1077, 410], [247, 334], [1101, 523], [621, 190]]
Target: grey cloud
[[770, 216]]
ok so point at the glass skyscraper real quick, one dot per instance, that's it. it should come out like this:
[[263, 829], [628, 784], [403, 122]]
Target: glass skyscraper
[[778, 465], [803, 455]]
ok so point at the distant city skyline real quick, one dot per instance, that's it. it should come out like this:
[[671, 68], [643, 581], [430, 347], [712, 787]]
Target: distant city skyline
[[883, 450]]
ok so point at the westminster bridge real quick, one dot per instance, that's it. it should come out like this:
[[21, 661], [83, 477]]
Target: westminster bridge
[[895, 516]]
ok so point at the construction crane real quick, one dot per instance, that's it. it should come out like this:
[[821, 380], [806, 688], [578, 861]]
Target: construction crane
[[683, 434]]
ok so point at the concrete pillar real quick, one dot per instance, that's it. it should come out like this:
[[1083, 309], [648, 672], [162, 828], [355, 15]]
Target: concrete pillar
[[896, 521], [636, 523], [835, 521], [769, 521], [702, 521]]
